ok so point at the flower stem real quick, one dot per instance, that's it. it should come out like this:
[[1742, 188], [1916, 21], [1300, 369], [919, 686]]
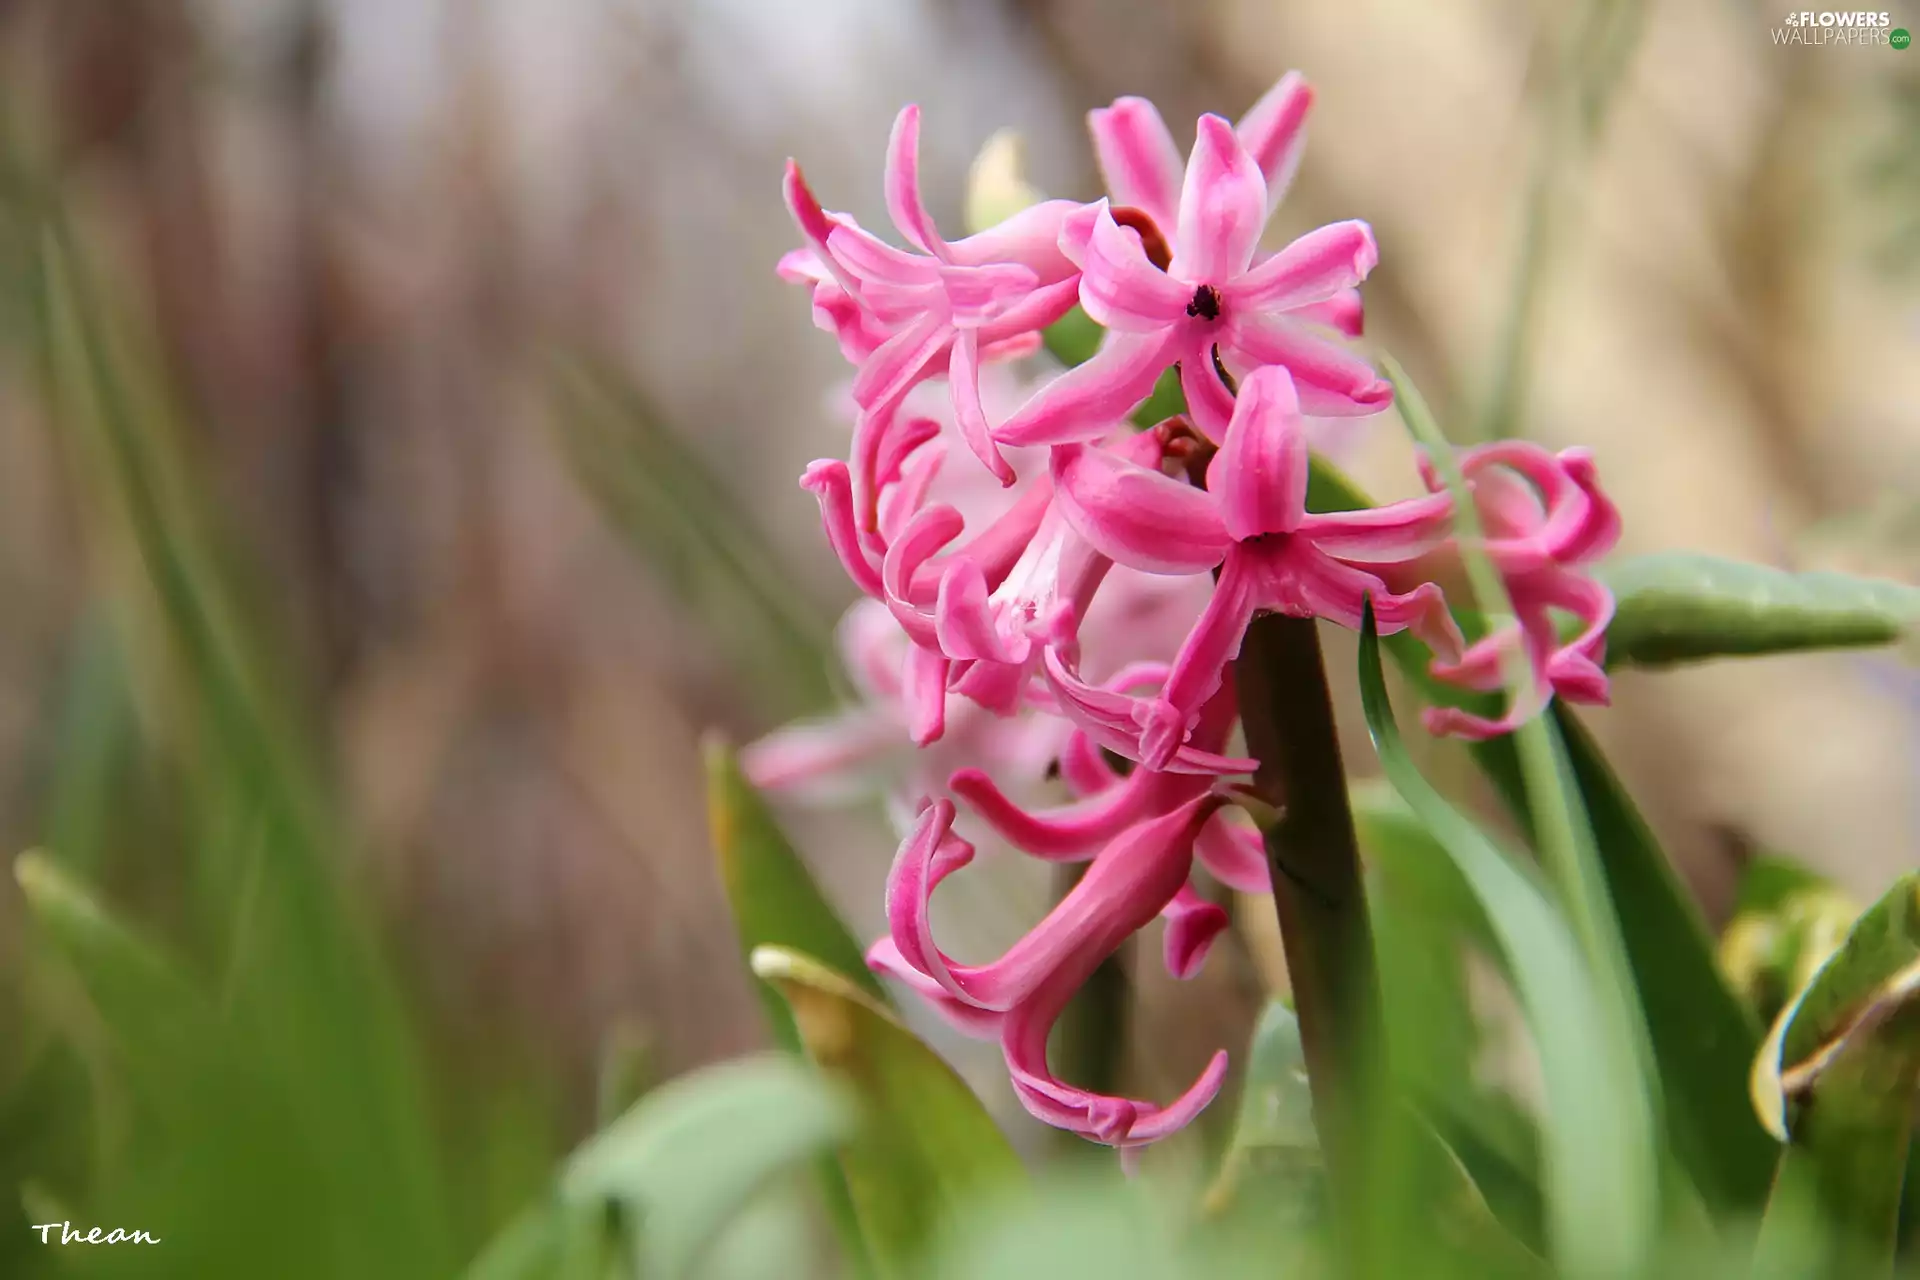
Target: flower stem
[[1313, 854]]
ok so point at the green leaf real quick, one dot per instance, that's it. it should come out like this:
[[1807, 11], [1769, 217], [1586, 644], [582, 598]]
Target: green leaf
[[1597, 1145], [775, 900], [1679, 607], [1840, 1073], [692, 1153], [927, 1145], [1703, 1036]]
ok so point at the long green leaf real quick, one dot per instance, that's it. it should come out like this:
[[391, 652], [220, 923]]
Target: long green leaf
[[1679, 607], [927, 1146], [1274, 1145], [1598, 1151], [1703, 1036]]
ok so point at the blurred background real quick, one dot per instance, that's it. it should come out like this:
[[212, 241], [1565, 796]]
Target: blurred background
[[399, 421]]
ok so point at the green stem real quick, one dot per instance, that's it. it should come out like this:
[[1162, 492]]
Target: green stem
[[1313, 854]]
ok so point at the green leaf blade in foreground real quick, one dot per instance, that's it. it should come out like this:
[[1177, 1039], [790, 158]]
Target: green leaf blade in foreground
[[1841, 1071], [1703, 1037], [692, 1153], [927, 1146], [1598, 1152], [1678, 607]]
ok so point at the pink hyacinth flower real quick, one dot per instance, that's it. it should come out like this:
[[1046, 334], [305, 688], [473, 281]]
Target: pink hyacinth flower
[[1543, 518], [906, 316], [1210, 306], [1252, 522], [1020, 996]]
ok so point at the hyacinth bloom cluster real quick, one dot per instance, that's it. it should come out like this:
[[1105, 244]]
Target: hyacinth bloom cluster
[[1054, 595]]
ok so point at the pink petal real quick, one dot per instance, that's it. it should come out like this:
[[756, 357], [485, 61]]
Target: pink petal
[[903, 500], [1319, 266], [1067, 833], [1223, 206], [808, 753], [1601, 530], [1136, 516], [1274, 132], [1084, 769], [1030, 237], [902, 362], [1307, 583], [1015, 332], [930, 529], [978, 1024], [1208, 400], [1259, 477], [926, 694], [1331, 381], [1192, 925], [996, 686], [1138, 158], [964, 620], [978, 295], [1234, 854], [870, 645], [829, 481], [903, 185], [1483, 666], [815, 224], [1165, 720], [1343, 313], [1086, 401], [964, 376], [1389, 535], [1109, 719], [1121, 289]]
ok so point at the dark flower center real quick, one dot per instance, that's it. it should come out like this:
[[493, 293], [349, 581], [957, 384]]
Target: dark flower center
[[1206, 303]]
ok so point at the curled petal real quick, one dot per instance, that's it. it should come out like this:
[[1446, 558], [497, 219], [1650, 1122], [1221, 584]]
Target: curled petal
[[1274, 132], [1163, 722], [1223, 206], [1308, 583], [964, 620], [1069, 832], [1136, 516], [975, 1023], [1601, 529], [977, 295], [870, 644], [1331, 381], [1138, 158], [1109, 719], [816, 224], [1121, 289], [1484, 666], [1087, 400], [903, 185], [1259, 477], [1234, 854], [969, 415], [1319, 266], [1192, 925], [996, 686], [1394, 534], [829, 481]]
